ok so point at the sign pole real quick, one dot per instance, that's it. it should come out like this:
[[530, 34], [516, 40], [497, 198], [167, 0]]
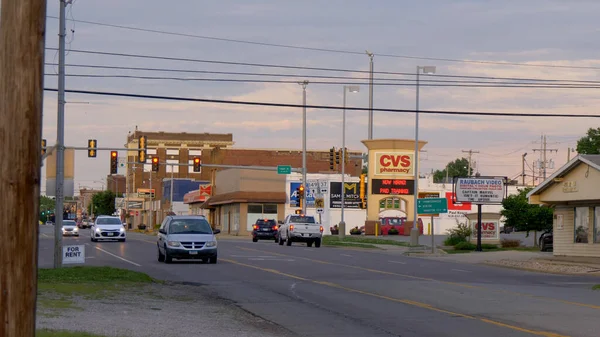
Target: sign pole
[[432, 236], [478, 228]]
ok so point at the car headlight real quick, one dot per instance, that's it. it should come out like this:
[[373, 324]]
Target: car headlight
[[97, 230], [211, 244], [122, 229], [75, 229], [173, 243]]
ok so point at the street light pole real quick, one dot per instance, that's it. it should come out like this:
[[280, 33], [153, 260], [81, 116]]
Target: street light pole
[[342, 231], [304, 84], [414, 233], [370, 135], [171, 198]]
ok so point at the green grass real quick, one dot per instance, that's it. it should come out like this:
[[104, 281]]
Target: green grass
[[63, 333], [333, 239], [596, 287], [350, 244]]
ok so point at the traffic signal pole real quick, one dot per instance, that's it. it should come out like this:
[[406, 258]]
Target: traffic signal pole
[[22, 39]]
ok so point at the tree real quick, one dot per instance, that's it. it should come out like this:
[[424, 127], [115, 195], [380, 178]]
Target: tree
[[589, 144], [46, 208], [456, 168], [524, 216], [104, 203]]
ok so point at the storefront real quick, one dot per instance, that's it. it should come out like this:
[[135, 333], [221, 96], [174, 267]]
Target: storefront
[[573, 192], [242, 196]]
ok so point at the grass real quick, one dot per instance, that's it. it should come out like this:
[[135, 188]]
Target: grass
[[350, 244], [499, 249], [596, 287], [335, 240], [63, 333]]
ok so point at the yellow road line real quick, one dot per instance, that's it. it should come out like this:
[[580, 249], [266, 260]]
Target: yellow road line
[[463, 285], [398, 300]]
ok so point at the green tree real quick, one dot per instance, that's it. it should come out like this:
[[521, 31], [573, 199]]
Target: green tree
[[456, 168], [590, 143], [46, 207], [104, 203], [523, 216]]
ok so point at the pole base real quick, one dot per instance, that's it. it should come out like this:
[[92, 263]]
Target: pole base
[[342, 229], [414, 236]]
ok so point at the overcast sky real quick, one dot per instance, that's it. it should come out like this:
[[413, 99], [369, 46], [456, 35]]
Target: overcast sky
[[529, 32]]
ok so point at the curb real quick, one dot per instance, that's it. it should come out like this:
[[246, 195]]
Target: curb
[[487, 263]]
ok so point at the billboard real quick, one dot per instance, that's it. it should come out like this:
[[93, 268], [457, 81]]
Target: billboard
[[295, 201], [394, 163], [480, 190], [69, 174], [351, 197]]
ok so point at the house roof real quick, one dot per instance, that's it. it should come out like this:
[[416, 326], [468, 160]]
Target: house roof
[[245, 197], [593, 160]]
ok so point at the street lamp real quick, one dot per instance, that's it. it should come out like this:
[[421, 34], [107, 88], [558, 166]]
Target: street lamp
[[414, 233], [370, 133], [347, 88], [304, 84]]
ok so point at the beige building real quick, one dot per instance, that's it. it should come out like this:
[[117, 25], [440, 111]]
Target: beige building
[[573, 192], [240, 197]]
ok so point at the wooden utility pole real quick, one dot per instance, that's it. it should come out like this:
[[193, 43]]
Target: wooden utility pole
[[22, 35], [470, 152]]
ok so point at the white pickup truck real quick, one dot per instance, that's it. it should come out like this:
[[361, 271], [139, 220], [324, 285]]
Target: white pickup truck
[[300, 228]]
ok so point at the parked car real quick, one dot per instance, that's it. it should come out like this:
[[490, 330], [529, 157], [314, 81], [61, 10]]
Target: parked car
[[186, 237], [546, 241], [507, 229], [264, 229], [108, 228], [69, 228]]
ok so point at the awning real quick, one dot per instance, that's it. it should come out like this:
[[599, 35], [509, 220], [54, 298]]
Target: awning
[[245, 197]]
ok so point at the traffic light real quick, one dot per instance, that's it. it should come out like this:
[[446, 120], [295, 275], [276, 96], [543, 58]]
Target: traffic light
[[301, 195], [332, 159], [337, 157], [346, 156], [142, 147], [43, 147], [92, 145], [362, 190], [154, 164], [114, 162], [197, 164]]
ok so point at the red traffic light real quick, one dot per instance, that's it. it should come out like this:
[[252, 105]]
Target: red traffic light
[[196, 160]]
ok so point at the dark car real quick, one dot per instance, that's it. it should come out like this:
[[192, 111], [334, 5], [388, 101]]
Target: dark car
[[265, 229], [546, 241]]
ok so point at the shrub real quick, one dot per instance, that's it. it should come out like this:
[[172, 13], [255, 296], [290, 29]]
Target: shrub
[[465, 246], [508, 243], [393, 231], [458, 234], [355, 230], [488, 246], [453, 241]]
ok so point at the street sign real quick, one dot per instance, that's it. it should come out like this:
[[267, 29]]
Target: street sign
[[432, 205], [319, 202], [73, 254], [122, 162], [320, 211], [284, 169]]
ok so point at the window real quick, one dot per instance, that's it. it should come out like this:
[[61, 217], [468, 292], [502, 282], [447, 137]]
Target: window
[[270, 209], [582, 224], [302, 219], [189, 226], [596, 224]]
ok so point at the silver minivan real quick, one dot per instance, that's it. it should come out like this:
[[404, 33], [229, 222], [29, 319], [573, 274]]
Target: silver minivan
[[186, 237]]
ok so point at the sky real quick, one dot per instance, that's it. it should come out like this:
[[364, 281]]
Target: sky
[[558, 35]]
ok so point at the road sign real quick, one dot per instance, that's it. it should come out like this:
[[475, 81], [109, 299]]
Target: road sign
[[122, 162], [320, 210], [284, 169], [432, 205], [480, 190], [73, 254], [319, 202]]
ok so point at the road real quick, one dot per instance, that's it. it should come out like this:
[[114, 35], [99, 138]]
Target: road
[[349, 292]]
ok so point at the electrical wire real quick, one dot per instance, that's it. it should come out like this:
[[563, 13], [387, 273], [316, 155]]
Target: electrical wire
[[409, 80], [266, 65], [325, 107], [329, 50]]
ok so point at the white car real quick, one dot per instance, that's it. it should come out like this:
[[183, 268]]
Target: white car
[[69, 227], [301, 228], [108, 228]]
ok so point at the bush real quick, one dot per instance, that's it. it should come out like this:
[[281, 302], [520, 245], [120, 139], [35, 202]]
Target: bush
[[453, 241], [465, 246], [458, 234], [508, 243], [488, 246], [355, 231], [393, 231]]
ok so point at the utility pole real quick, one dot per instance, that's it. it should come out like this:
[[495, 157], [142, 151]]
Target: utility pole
[[470, 152], [22, 43], [304, 84], [172, 187], [543, 161], [523, 168], [371, 55]]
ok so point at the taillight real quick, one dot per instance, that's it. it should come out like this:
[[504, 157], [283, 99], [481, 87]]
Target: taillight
[[254, 227], [321, 229], [291, 227], [274, 228]]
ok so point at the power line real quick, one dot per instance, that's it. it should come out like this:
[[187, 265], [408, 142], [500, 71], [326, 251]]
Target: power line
[[189, 79], [410, 80], [339, 51], [266, 65], [327, 107]]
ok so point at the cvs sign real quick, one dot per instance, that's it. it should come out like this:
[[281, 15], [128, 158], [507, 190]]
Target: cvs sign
[[394, 163], [490, 230]]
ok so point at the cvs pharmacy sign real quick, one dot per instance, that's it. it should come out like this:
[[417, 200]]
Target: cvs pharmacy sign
[[490, 230], [394, 163]]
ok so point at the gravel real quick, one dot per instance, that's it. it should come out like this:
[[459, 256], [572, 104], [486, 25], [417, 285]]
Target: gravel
[[546, 266], [163, 310]]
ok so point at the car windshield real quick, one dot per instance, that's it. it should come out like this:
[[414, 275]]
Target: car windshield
[[108, 221], [189, 226], [266, 222], [302, 219], [68, 223]]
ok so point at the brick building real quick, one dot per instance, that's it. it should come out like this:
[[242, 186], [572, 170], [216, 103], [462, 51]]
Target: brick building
[[116, 183]]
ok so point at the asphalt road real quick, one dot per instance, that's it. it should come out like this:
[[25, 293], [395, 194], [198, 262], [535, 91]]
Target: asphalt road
[[351, 292]]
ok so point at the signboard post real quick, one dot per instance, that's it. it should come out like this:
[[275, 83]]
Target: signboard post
[[73, 254], [432, 206], [284, 169], [480, 191]]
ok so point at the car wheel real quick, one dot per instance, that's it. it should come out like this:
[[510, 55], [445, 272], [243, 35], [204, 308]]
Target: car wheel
[[254, 240], [317, 243], [288, 241], [161, 257], [212, 260], [93, 240], [309, 243], [168, 259], [280, 241], [543, 247]]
